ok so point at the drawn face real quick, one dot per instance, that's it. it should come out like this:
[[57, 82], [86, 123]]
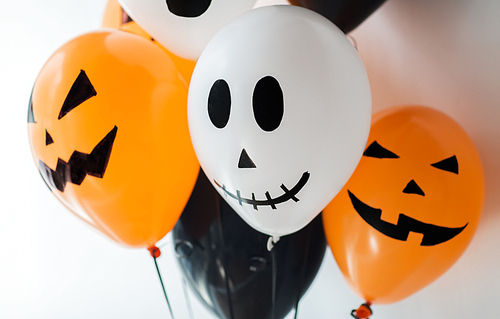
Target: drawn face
[[432, 234], [279, 128], [410, 208], [184, 26], [80, 164], [108, 131]]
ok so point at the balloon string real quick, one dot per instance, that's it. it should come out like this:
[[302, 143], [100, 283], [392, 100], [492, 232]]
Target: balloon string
[[223, 257], [188, 301], [155, 253], [274, 269], [303, 271]]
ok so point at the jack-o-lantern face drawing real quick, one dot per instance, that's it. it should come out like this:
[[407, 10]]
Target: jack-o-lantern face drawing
[[432, 234], [278, 126], [80, 164], [410, 208], [108, 132], [184, 27]]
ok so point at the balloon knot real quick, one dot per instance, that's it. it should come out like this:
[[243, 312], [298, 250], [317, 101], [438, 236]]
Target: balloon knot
[[271, 241], [363, 312], [154, 251]]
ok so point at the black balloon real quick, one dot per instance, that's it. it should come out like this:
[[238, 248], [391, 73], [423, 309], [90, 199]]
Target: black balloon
[[227, 264], [346, 14]]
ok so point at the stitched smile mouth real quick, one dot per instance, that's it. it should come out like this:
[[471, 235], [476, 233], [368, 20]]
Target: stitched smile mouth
[[269, 201], [433, 235]]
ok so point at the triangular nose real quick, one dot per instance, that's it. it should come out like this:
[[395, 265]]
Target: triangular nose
[[245, 160], [413, 188]]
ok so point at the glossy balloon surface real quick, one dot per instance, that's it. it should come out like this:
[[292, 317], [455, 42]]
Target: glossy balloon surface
[[214, 245], [108, 131], [278, 117], [411, 207], [184, 27], [115, 17]]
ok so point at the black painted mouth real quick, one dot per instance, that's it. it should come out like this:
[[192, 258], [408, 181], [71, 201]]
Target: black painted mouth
[[433, 235], [80, 165], [189, 8], [269, 201]]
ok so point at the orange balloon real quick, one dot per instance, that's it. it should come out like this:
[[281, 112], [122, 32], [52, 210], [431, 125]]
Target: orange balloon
[[411, 207], [108, 130], [115, 17]]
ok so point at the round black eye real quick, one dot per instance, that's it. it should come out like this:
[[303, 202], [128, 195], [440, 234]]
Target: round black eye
[[268, 104], [219, 103]]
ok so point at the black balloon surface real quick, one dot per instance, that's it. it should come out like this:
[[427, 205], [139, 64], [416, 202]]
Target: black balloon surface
[[345, 14], [228, 266]]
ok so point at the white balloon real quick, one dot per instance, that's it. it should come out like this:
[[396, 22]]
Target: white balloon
[[184, 26], [298, 120]]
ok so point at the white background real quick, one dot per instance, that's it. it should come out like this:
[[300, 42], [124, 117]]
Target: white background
[[440, 53]]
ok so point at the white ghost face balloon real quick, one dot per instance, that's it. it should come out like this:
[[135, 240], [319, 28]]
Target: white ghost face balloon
[[279, 114], [184, 26]]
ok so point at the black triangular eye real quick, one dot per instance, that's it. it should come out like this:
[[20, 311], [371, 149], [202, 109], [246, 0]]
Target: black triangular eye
[[48, 138], [219, 103], [268, 106], [188, 8], [31, 117], [377, 151], [450, 165], [80, 91]]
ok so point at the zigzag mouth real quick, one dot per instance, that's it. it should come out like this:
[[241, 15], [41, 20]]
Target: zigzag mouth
[[79, 165], [269, 201], [433, 235]]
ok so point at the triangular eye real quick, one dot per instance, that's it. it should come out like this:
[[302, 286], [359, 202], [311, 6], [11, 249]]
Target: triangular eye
[[48, 138], [80, 91], [450, 165], [377, 151]]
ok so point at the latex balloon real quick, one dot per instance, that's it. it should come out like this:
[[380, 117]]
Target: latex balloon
[[279, 117], [108, 131], [346, 14], [227, 265], [115, 17], [411, 207], [184, 26]]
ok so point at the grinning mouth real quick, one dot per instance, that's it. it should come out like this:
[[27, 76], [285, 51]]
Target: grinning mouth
[[433, 235], [269, 201], [80, 164]]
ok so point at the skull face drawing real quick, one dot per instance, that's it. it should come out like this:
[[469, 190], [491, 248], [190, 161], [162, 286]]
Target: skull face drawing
[[279, 112]]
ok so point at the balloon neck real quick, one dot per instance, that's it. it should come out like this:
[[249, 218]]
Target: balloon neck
[[271, 242], [363, 312], [154, 251]]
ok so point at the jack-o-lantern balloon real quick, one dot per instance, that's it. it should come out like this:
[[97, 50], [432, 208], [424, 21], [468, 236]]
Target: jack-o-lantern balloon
[[108, 131], [411, 207], [184, 26], [115, 17], [279, 115]]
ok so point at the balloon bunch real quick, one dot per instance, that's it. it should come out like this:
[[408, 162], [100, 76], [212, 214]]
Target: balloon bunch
[[277, 110]]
